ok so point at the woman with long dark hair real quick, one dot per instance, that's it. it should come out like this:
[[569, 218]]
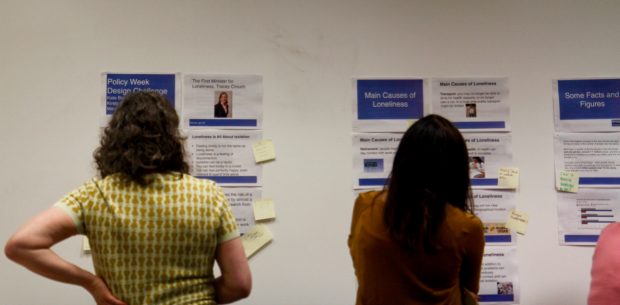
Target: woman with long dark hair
[[222, 107], [154, 230], [417, 242]]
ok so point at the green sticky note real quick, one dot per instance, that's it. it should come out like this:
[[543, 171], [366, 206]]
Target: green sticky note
[[568, 182]]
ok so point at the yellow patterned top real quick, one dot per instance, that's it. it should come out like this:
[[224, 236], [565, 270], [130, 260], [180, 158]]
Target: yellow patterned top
[[154, 244]]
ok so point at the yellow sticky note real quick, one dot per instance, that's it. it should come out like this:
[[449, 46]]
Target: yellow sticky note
[[517, 221], [263, 209], [255, 239], [85, 245], [568, 182], [263, 151], [508, 177]]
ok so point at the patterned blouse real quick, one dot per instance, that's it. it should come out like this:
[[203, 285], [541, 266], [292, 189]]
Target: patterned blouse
[[153, 244]]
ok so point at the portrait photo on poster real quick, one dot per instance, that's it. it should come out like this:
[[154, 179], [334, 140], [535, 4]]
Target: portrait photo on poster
[[476, 167], [470, 110], [223, 104]]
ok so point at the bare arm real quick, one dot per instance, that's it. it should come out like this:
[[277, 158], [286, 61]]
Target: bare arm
[[235, 283], [30, 247]]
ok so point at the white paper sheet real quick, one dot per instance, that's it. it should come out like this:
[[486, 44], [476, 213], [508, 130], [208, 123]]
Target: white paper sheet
[[488, 152], [240, 200], [225, 156], [586, 105], [241, 94], [373, 155], [388, 105], [499, 281], [473, 104], [493, 208], [595, 156], [583, 215], [116, 85]]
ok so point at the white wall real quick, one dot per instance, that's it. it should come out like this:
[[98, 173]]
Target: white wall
[[52, 54]]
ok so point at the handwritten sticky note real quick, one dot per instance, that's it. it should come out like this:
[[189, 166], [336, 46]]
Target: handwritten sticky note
[[255, 239], [263, 151], [568, 182], [517, 221], [85, 245], [263, 209], [508, 177]]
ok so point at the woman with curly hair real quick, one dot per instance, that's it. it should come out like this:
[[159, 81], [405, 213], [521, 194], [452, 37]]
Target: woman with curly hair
[[154, 230]]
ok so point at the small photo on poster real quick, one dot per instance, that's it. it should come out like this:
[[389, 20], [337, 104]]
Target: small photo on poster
[[223, 104], [470, 110], [373, 165], [476, 167]]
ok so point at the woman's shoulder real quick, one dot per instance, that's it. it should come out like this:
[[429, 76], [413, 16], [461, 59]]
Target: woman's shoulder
[[463, 219], [366, 200], [369, 197]]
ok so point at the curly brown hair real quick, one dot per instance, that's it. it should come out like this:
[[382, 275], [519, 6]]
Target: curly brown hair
[[142, 138]]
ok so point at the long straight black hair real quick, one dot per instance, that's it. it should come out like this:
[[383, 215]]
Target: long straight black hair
[[430, 170]]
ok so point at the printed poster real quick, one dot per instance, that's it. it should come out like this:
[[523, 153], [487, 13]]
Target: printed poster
[[388, 105], [373, 155], [583, 215], [222, 101], [117, 85], [594, 156], [225, 156], [488, 152], [240, 200], [493, 207], [499, 281], [587, 105], [473, 104]]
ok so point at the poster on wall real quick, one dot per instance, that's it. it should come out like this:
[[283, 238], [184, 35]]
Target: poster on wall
[[499, 281], [373, 155], [594, 156], [583, 215], [222, 101], [240, 200], [472, 104], [488, 152], [493, 207], [587, 105], [387, 105], [117, 85], [225, 156]]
